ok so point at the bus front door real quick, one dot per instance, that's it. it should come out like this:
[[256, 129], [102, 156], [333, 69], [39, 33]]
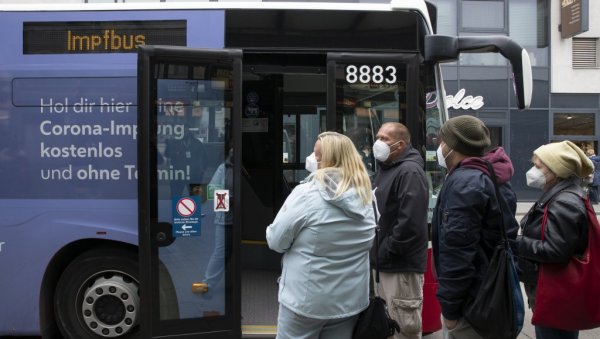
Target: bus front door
[[283, 111], [188, 184]]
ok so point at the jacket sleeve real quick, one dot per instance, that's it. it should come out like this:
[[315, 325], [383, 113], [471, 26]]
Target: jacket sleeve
[[459, 235], [288, 222], [410, 226], [561, 235]]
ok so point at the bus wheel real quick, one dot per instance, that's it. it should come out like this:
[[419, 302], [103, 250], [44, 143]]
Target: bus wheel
[[97, 296]]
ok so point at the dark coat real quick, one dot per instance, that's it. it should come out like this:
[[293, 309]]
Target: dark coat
[[402, 200], [566, 229], [596, 161], [466, 225]]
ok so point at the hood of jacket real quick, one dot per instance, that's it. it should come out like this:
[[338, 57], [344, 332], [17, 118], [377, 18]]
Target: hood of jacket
[[500, 162], [349, 201]]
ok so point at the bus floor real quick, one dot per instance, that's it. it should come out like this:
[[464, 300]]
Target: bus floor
[[259, 303]]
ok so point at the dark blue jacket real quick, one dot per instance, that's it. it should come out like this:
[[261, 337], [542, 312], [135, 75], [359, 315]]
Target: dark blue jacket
[[466, 225], [596, 161]]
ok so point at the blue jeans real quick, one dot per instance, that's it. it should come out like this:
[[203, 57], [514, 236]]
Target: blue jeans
[[294, 326], [216, 263], [553, 333]]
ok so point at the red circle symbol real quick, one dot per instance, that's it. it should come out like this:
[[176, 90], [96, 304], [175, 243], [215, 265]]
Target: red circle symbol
[[186, 207]]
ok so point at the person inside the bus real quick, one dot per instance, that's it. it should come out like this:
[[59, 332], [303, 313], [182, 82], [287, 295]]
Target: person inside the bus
[[402, 199], [466, 217], [222, 179], [325, 229], [187, 156]]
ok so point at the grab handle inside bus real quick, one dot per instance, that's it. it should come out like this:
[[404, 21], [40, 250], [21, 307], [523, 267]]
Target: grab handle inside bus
[[441, 48]]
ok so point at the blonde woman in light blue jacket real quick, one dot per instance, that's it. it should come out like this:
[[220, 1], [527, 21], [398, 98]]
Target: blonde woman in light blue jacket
[[325, 229]]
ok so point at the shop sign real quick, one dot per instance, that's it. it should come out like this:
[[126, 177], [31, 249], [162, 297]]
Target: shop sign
[[460, 101], [574, 17]]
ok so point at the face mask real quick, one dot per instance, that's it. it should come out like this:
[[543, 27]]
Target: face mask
[[535, 178], [441, 158], [381, 150], [311, 163]]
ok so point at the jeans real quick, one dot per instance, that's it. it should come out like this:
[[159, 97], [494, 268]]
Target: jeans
[[553, 333], [294, 326], [219, 257]]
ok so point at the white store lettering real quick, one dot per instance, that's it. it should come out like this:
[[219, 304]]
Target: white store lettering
[[460, 101]]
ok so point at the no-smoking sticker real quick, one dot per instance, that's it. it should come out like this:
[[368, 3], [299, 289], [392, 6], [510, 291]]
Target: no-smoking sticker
[[186, 216], [186, 207]]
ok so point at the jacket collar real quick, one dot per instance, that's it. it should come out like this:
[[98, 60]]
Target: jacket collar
[[548, 195]]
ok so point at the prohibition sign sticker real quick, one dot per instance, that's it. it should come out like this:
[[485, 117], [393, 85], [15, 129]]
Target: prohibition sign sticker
[[186, 207]]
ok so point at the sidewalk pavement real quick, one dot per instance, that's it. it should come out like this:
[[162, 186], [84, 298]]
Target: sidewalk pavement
[[528, 331]]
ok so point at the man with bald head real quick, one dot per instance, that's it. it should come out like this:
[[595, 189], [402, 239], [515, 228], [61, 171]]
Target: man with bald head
[[402, 200]]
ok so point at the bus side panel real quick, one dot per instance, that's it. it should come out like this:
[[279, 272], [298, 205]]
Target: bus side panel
[[28, 247], [68, 149]]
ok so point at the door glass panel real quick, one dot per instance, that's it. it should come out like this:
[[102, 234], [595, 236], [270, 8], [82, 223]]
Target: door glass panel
[[304, 117], [368, 95], [195, 187]]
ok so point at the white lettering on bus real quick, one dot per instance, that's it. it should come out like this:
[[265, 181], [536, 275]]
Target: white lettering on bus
[[1, 243], [48, 129], [83, 105], [459, 101]]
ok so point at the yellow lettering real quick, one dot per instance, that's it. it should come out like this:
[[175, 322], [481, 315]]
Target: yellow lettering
[[115, 41], [106, 32], [140, 40], [81, 43], [96, 41]]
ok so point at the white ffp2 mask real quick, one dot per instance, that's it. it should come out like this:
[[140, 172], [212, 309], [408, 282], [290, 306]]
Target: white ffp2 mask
[[381, 150], [441, 158], [311, 163], [535, 178]]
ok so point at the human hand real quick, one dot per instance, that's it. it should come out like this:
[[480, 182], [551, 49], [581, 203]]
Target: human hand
[[450, 324]]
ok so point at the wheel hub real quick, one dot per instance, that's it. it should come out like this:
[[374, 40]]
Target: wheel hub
[[110, 306]]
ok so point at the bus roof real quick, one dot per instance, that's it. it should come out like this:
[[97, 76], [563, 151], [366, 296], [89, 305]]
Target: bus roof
[[394, 5]]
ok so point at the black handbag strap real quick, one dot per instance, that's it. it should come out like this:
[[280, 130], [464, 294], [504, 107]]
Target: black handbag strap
[[500, 198]]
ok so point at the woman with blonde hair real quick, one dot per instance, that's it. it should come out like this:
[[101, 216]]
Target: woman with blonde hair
[[325, 229]]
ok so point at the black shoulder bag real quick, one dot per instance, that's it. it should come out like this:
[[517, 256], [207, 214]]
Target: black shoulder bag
[[375, 321], [497, 311]]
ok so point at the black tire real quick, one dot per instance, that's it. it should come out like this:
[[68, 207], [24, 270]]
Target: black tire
[[88, 279]]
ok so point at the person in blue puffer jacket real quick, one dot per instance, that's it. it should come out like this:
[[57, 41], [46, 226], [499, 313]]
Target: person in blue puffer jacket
[[325, 229]]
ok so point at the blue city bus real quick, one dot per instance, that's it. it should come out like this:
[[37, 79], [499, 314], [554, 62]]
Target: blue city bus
[[144, 148]]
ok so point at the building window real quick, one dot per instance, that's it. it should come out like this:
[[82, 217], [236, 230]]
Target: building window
[[585, 53], [527, 24], [482, 16], [446, 17], [574, 124]]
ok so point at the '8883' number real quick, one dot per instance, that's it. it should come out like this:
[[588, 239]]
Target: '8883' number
[[366, 74]]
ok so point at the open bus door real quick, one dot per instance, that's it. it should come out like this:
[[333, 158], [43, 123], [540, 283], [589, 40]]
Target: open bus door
[[188, 180]]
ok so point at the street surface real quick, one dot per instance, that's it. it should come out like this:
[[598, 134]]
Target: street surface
[[528, 331]]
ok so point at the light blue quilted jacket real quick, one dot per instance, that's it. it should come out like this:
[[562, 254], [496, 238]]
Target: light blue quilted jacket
[[326, 242]]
